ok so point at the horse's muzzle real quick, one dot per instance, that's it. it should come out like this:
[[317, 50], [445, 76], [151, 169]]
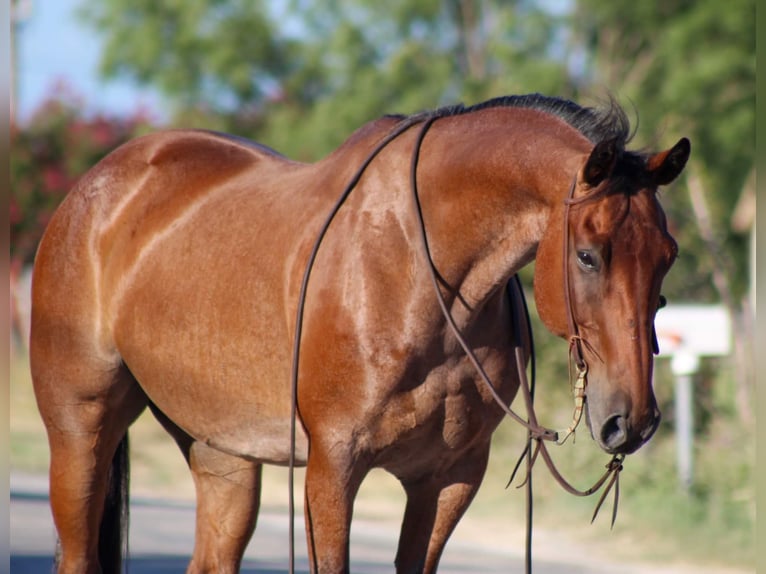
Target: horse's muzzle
[[618, 436]]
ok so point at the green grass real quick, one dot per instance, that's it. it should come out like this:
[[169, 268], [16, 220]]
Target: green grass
[[28, 445], [658, 521]]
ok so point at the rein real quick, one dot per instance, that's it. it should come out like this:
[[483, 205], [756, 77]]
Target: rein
[[396, 132], [535, 432]]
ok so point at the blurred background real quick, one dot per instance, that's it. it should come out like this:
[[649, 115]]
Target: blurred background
[[301, 75]]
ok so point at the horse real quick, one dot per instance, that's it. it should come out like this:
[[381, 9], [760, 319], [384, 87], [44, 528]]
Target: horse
[[171, 275]]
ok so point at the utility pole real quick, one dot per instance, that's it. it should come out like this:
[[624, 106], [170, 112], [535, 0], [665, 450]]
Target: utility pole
[[20, 11]]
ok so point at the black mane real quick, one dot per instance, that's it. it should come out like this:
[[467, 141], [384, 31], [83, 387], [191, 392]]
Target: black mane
[[596, 124]]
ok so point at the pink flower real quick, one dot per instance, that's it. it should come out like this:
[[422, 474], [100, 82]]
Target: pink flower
[[55, 180]]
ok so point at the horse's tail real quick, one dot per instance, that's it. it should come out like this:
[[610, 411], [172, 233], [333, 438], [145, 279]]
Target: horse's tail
[[113, 532]]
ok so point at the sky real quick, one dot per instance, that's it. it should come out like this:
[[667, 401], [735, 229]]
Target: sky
[[56, 52]]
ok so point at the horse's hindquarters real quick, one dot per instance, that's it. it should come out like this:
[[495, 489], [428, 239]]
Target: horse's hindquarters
[[170, 257]]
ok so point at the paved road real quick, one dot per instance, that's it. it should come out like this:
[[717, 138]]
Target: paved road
[[162, 535]]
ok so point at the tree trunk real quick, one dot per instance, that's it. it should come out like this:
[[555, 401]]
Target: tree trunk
[[739, 313]]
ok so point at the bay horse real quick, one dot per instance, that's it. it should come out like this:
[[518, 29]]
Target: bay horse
[[170, 277]]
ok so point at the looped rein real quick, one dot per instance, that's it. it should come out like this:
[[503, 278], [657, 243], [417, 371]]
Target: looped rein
[[535, 432]]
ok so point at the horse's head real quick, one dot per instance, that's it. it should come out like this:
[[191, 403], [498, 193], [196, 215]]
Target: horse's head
[[599, 284]]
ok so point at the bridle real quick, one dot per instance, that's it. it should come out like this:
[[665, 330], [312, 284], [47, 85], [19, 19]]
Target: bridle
[[573, 331], [536, 433]]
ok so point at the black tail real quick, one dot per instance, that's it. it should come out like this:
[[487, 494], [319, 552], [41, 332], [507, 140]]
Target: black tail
[[113, 533]]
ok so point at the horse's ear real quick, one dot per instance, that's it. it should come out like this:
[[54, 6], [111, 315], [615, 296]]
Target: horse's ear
[[665, 166], [601, 162]]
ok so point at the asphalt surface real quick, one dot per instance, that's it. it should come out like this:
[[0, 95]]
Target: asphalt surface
[[162, 534]]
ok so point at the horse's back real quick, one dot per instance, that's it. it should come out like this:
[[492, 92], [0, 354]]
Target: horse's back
[[144, 185], [151, 180], [158, 171]]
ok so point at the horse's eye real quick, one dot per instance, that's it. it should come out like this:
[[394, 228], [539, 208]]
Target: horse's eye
[[587, 260]]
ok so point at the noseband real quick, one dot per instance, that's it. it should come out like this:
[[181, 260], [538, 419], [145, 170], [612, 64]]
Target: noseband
[[535, 432]]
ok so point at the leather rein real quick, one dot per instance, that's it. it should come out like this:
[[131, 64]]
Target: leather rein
[[536, 433]]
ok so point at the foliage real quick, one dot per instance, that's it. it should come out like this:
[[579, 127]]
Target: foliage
[[198, 51], [301, 75], [47, 157], [689, 68]]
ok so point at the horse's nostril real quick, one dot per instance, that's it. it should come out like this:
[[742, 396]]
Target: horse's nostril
[[649, 430], [613, 432]]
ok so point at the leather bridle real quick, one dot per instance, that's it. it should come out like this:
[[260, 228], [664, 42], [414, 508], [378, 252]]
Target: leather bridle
[[536, 433]]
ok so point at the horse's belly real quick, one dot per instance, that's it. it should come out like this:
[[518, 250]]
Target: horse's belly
[[213, 355], [230, 406], [233, 407]]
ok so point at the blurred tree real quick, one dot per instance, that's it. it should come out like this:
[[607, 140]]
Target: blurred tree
[[301, 75], [689, 68], [216, 53], [48, 154]]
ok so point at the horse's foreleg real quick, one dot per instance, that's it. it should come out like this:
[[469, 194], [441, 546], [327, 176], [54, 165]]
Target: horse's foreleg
[[332, 482], [435, 504]]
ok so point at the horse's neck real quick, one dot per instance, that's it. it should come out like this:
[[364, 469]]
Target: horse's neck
[[487, 205]]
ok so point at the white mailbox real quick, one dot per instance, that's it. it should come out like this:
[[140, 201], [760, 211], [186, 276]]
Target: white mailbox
[[685, 333]]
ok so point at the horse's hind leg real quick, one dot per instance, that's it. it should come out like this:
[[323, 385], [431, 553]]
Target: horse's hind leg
[[435, 504], [228, 496], [87, 406]]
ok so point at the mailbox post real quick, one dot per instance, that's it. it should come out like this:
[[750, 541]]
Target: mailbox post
[[685, 334]]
